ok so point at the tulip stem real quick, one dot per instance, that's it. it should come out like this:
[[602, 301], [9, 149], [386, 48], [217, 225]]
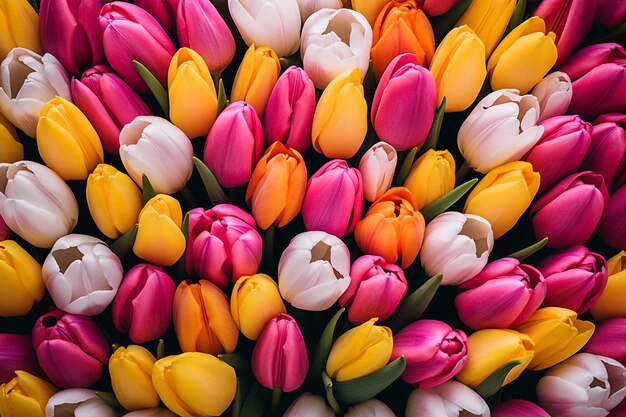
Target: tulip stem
[[462, 172], [276, 394], [217, 76], [268, 246]]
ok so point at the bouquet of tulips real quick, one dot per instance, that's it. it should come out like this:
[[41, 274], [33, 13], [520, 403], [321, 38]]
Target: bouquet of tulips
[[312, 208]]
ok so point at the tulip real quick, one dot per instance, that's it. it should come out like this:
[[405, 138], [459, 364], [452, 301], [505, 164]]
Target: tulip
[[406, 92], [309, 405], [19, 27], [308, 7], [377, 167], [376, 288], [16, 353], [184, 380], [289, 112], [360, 351], [255, 301], [450, 399], [131, 377], [609, 304], [189, 81], [333, 42], [519, 408], [71, 348], [433, 351], [78, 402], [107, 191], [585, 385], [20, 280], [5, 232], [143, 305], [612, 226], [438, 7], [151, 412], [202, 318], [234, 145], [370, 408], [313, 271], [164, 11], [276, 189], [27, 81], [554, 94], [492, 348], [431, 177], [606, 340], [11, 149], [25, 395], [501, 128], [570, 211], [370, 9], [610, 14], [153, 146], [129, 33], [200, 27], [340, 119], [607, 152], [457, 245], [489, 19]]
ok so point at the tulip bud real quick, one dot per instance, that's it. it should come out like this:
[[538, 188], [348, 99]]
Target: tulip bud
[[489, 19], [153, 146], [143, 305], [370, 9], [606, 340], [308, 7], [131, 377], [16, 353], [20, 280], [607, 152], [518, 408], [78, 402], [610, 14], [450, 399], [370, 408], [164, 11], [25, 395], [71, 348], [309, 405], [20, 27], [151, 412], [11, 149], [377, 167], [431, 177], [612, 226], [609, 304], [554, 94]]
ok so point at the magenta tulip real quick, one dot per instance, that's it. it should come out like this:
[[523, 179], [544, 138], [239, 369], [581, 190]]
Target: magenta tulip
[[607, 153], [404, 103], [438, 7], [611, 13], [608, 340], [612, 227], [5, 231], [17, 354], [519, 408], [164, 11]]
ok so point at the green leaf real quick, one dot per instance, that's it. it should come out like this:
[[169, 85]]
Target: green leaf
[[493, 383], [435, 130], [160, 351], [520, 255], [237, 360], [330, 396], [442, 204], [369, 83], [446, 22], [154, 85], [222, 100], [147, 188], [517, 17], [254, 405], [240, 396], [213, 188], [405, 169], [109, 399], [318, 364], [413, 306], [35, 5], [123, 244]]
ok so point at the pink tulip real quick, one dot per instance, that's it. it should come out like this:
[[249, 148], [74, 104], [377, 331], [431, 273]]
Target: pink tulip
[[334, 199], [570, 211], [17, 354], [376, 288], [438, 7], [612, 227], [607, 153], [164, 11], [71, 349], [5, 231], [279, 358], [142, 307], [611, 13], [434, 352], [519, 408], [607, 340]]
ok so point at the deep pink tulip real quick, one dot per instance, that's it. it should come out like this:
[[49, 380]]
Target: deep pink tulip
[[519, 408], [142, 307], [129, 33], [503, 295], [612, 227], [234, 144], [608, 340], [404, 104], [71, 349], [334, 199], [574, 278], [279, 358], [108, 102], [434, 352], [376, 288], [607, 153], [611, 13], [223, 244], [5, 231], [68, 31], [438, 7], [289, 112], [570, 211], [17, 354], [164, 11]]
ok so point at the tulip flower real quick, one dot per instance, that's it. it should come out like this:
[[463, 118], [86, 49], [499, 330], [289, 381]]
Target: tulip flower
[[489, 19], [184, 380], [309, 405], [457, 245], [153, 146], [606, 339], [289, 112], [234, 144], [308, 7], [406, 92], [370, 408], [164, 11], [434, 352], [612, 226], [377, 167], [370, 9], [71, 348], [450, 399], [518, 408], [200, 27], [276, 189], [5, 232], [607, 152], [189, 81], [11, 149], [78, 402], [82, 274], [501, 128], [20, 280], [431, 177], [376, 288], [554, 94], [27, 81], [585, 384], [107, 190], [25, 395], [333, 42], [313, 271], [255, 301], [151, 412], [131, 377], [19, 27], [340, 119], [610, 14], [360, 351], [202, 318], [143, 305], [16, 352], [128, 32], [609, 304]]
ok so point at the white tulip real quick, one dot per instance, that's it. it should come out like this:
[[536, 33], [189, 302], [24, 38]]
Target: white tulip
[[554, 93], [377, 167], [371, 408], [450, 399], [309, 405], [78, 402], [308, 7]]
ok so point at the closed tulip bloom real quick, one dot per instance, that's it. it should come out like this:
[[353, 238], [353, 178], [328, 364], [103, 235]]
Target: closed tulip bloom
[[164, 11], [489, 19], [183, 381], [78, 402], [370, 9], [518, 408], [131, 377], [11, 149], [17, 353], [431, 177], [450, 399], [554, 93], [142, 307], [606, 340], [309, 405], [25, 395], [151, 412], [20, 276], [19, 26], [607, 153], [610, 14], [609, 304], [308, 7], [377, 167], [438, 7], [612, 226], [370, 408]]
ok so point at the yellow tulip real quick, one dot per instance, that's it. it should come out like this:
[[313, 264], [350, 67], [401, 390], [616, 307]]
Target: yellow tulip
[[11, 150], [524, 57], [20, 280], [131, 377], [340, 119], [369, 8], [19, 26], [489, 19], [255, 78], [557, 333], [114, 200], [503, 195], [194, 384], [255, 300], [25, 396], [189, 81], [360, 351], [159, 238], [611, 302], [459, 68], [67, 142], [431, 177]]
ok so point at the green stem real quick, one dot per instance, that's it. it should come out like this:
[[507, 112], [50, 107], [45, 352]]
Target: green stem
[[217, 76], [462, 172], [276, 394]]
